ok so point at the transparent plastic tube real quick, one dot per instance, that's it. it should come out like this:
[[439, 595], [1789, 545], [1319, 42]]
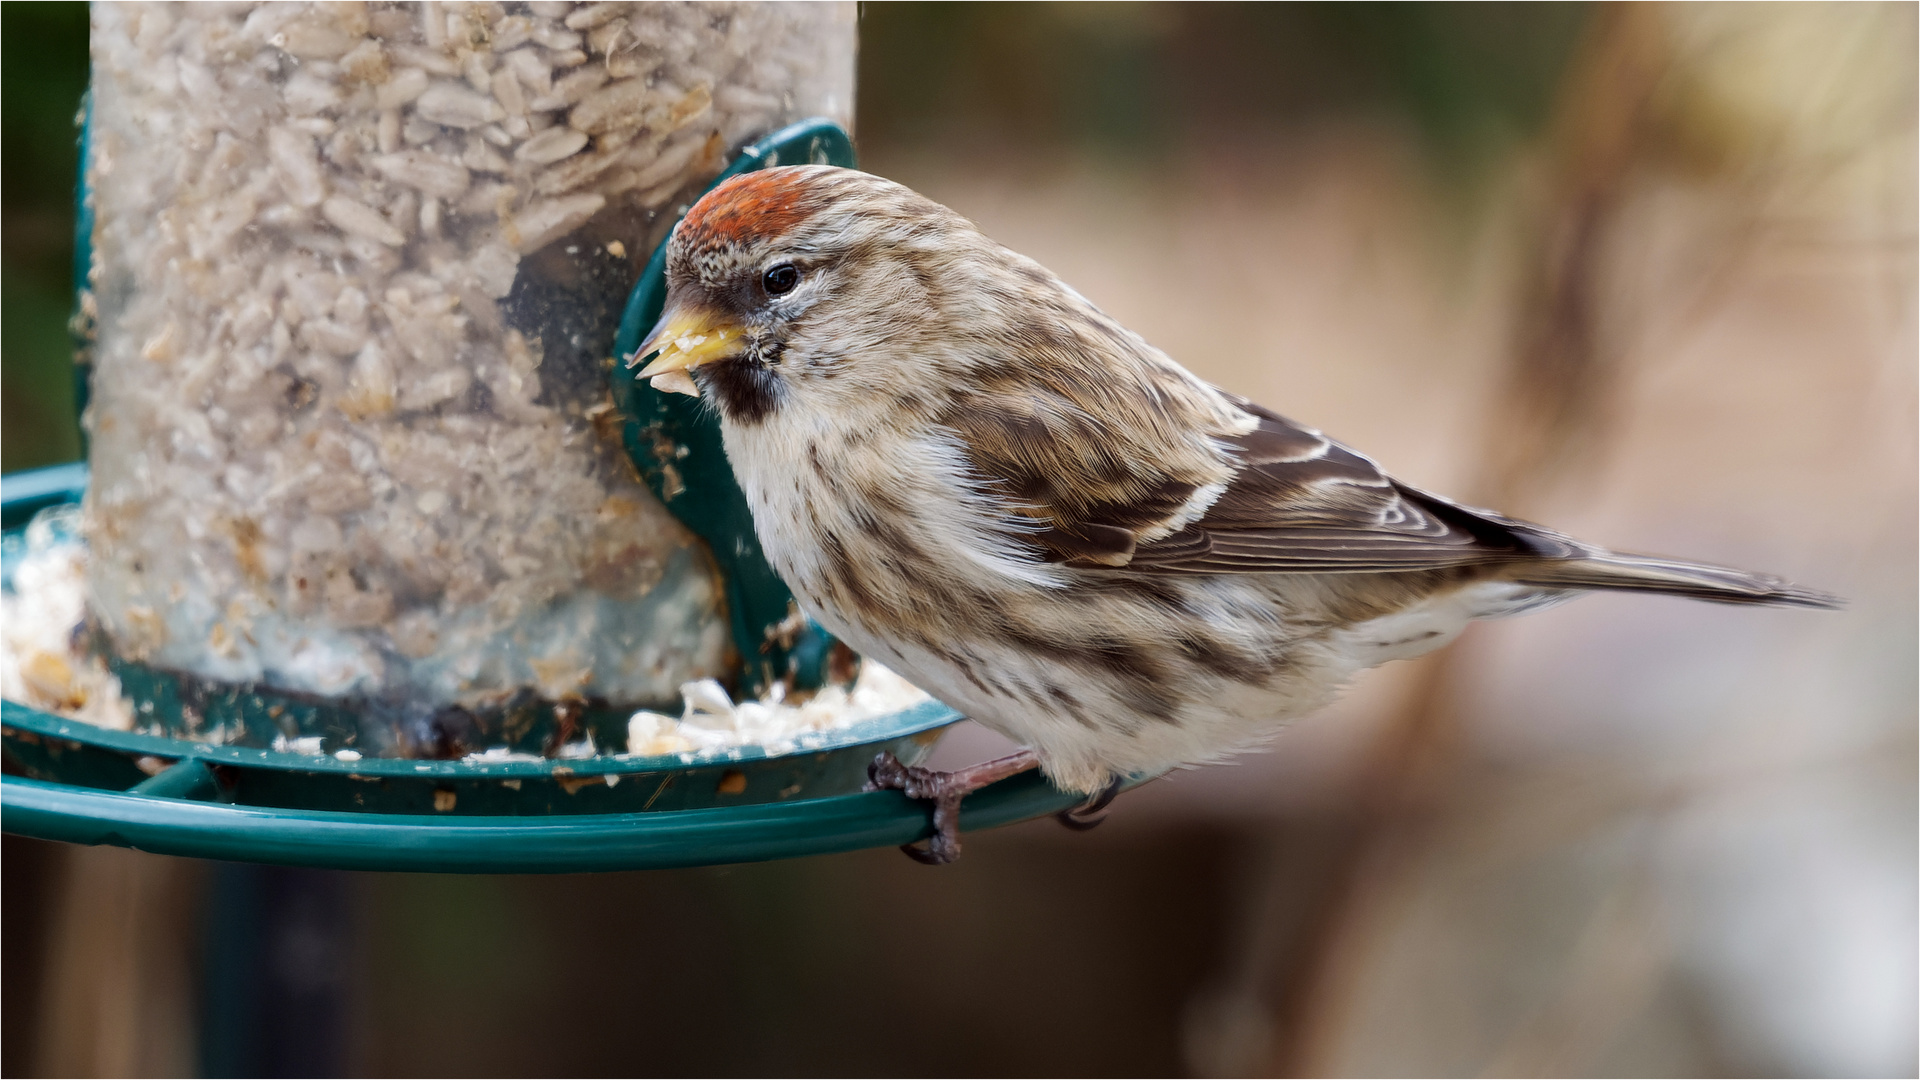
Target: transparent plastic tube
[[356, 272]]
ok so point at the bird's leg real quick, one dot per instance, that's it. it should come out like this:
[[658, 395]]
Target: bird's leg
[[1088, 814], [944, 790]]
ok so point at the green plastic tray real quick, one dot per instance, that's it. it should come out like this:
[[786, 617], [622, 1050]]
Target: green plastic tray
[[517, 844], [44, 747], [501, 845]]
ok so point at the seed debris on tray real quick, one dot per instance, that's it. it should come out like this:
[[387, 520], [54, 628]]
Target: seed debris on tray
[[45, 663]]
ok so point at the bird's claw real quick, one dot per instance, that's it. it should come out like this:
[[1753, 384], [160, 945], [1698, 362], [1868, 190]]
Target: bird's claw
[[887, 773], [943, 789], [941, 848], [1091, 813]]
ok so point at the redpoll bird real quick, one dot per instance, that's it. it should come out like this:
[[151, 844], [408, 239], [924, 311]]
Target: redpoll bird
[[969, 472]]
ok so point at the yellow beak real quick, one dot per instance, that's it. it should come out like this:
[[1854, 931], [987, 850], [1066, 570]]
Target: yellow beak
[[684, 340]]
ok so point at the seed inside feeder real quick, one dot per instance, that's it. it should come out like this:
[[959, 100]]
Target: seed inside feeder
[[356, 272]]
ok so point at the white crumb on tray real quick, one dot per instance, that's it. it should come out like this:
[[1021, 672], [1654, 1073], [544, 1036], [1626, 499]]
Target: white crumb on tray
[[497, 754], [306, 744], [712, 722], [43, 662]]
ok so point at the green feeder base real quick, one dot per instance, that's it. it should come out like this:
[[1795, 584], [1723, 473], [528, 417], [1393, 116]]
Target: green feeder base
[[505, 844]]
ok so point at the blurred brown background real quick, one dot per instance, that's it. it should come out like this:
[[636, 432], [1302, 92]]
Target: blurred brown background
[[1645, 273]]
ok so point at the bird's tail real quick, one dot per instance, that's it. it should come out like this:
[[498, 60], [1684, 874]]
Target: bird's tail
[[1643, 573]]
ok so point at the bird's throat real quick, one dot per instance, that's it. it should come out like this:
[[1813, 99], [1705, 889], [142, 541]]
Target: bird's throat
[[745, 390]]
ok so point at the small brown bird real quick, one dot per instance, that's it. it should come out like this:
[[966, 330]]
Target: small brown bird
[[966, 470]]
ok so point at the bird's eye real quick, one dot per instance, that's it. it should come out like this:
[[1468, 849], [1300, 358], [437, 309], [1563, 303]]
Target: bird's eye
[[781, 279]]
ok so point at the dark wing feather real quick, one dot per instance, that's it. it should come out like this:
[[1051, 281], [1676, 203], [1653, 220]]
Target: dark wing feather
[[1077, 490], [1294, 501], [1303, 503]]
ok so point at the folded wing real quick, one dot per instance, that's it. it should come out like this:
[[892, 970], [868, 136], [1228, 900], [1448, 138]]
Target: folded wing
[[1259, 494], [1303, 503]]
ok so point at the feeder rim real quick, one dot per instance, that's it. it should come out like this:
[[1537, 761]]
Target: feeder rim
[[924, 717], [26, 493], [517, 845]]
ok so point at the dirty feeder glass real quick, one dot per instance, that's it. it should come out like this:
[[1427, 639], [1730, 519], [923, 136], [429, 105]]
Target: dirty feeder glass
[[356, 273]]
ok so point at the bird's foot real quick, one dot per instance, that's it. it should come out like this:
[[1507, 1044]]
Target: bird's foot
[[1092, 812], [944, 790]]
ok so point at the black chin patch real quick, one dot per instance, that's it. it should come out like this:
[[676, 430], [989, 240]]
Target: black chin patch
[[746, 391]]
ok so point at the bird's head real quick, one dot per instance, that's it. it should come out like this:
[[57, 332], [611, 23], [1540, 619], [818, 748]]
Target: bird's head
[[805, 283]]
